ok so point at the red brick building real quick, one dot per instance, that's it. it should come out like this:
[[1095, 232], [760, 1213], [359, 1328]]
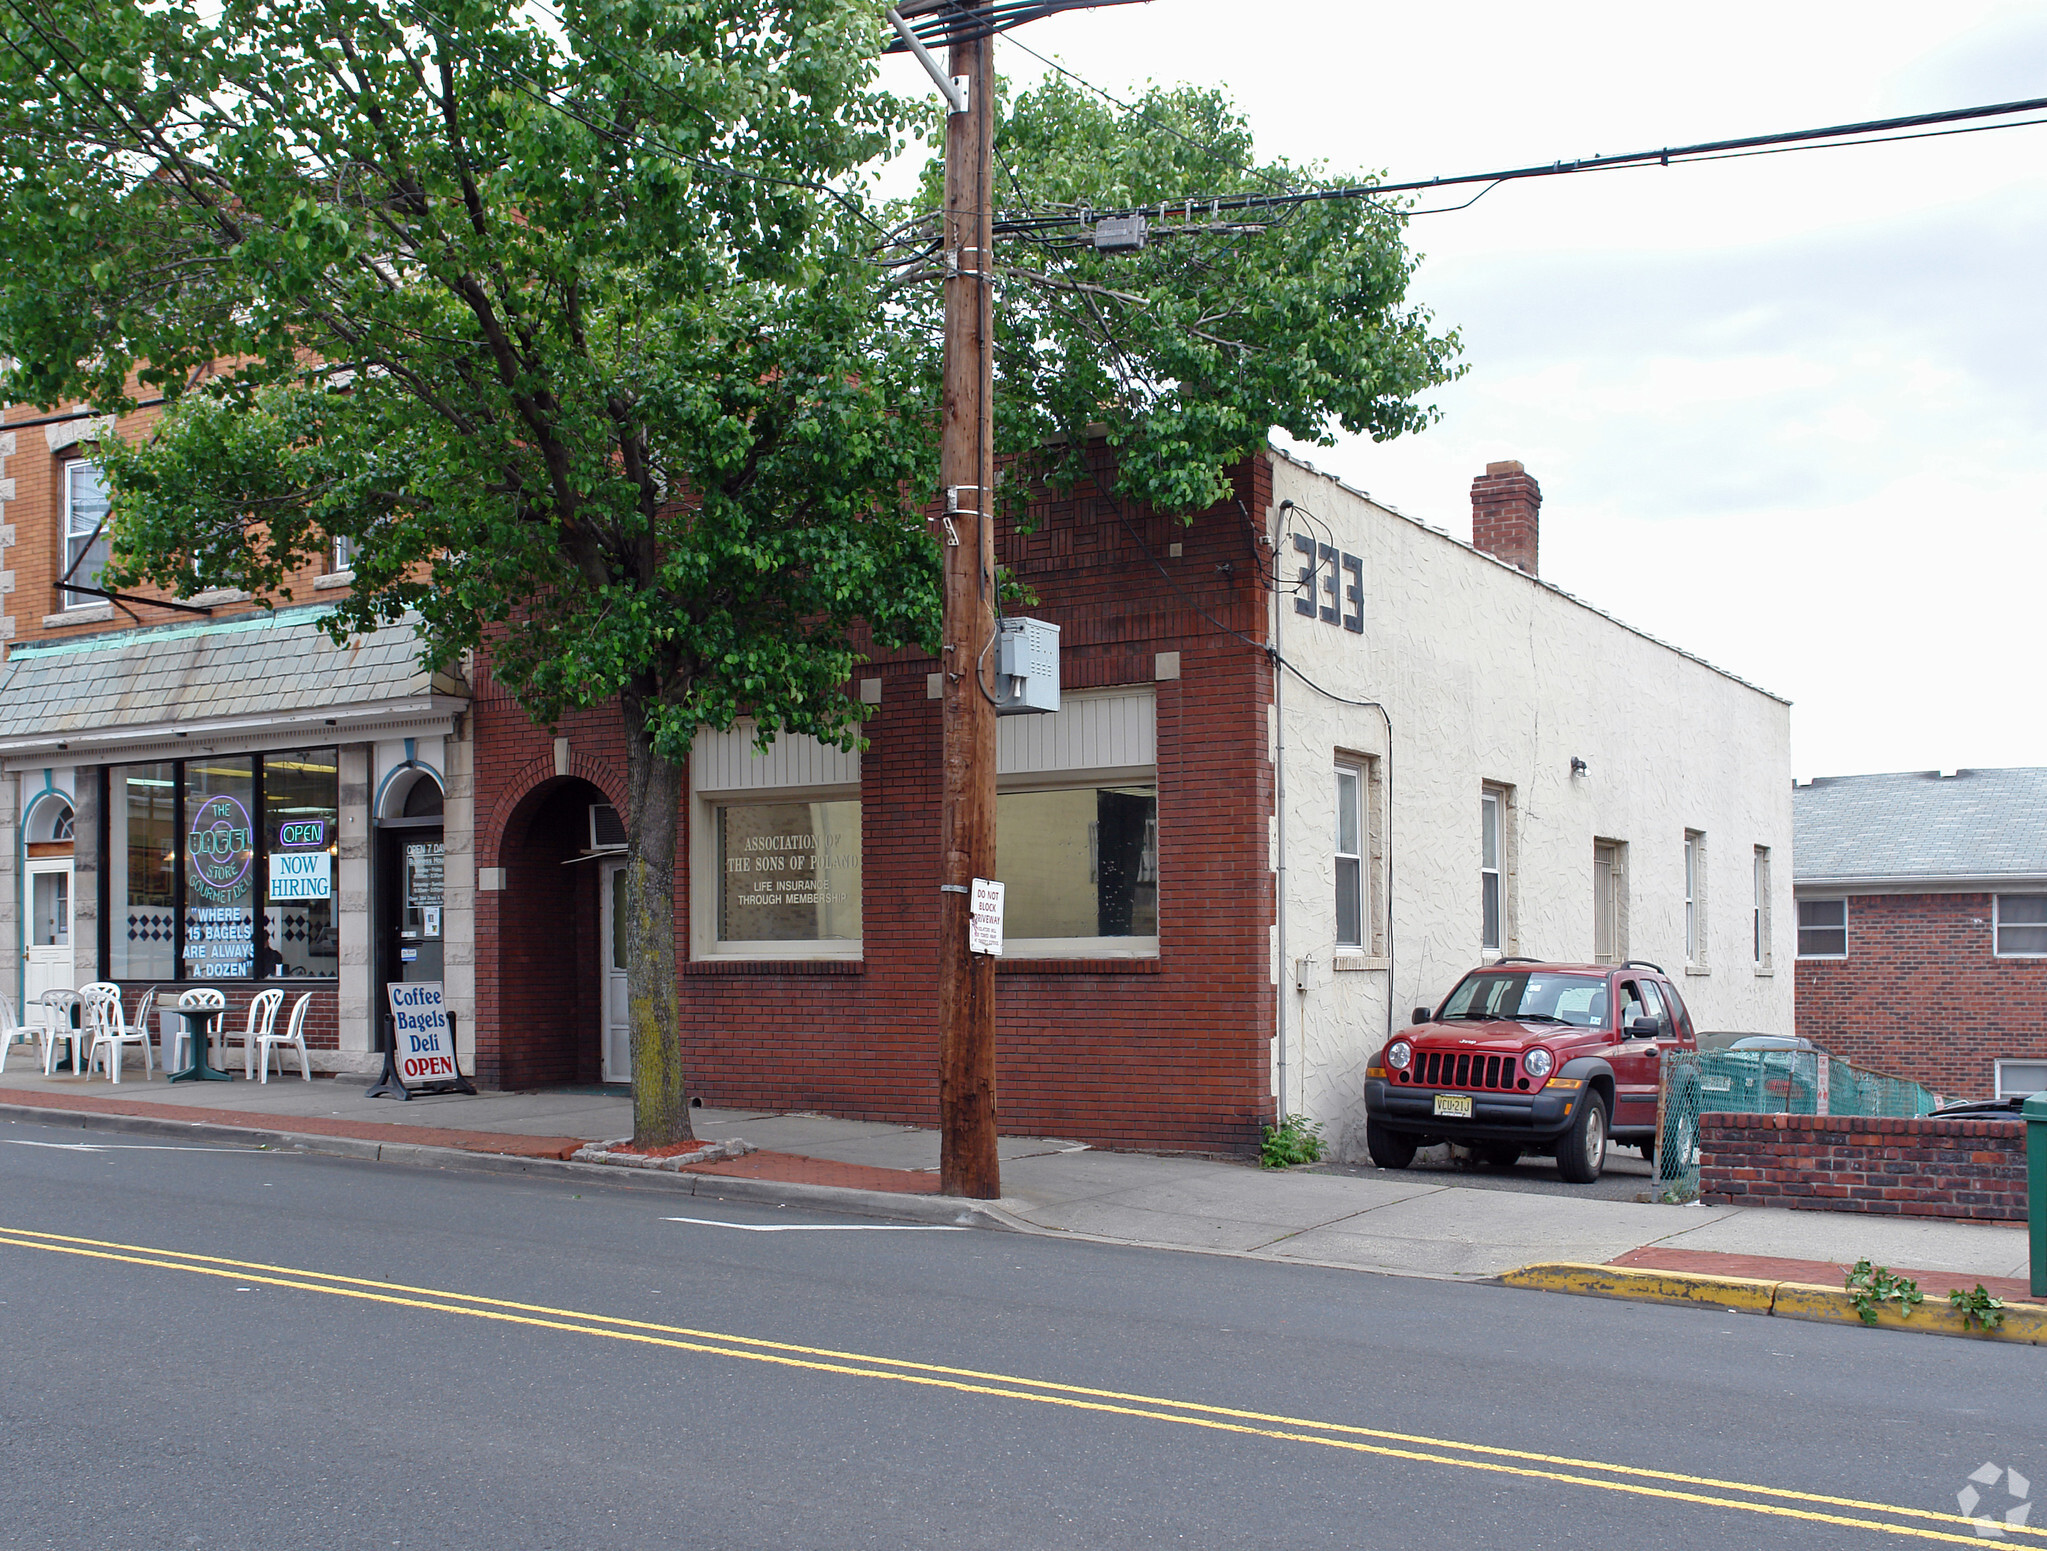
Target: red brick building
[[1136, 997], [1922, 925]]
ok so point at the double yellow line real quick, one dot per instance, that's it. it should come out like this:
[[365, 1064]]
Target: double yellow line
[[1638, 1481]]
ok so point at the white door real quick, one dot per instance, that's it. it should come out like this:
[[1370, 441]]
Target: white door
[[618, 1034], [49, 928]]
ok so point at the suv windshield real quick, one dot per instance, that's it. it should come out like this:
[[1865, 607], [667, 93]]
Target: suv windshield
[[1541, 996]]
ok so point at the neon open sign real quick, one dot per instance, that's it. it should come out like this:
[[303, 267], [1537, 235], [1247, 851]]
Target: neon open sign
[[303, 832]]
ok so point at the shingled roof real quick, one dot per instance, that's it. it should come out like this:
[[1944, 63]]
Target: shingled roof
[[1923, 827], [238, 675]]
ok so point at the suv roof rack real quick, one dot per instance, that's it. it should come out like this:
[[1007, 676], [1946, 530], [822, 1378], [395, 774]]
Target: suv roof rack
[[1517, 959], [1644, 964]]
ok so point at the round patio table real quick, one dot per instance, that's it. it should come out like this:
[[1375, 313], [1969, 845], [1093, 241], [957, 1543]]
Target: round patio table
[[199, 1023]]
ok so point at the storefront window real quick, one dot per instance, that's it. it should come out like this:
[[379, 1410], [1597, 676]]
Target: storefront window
[[220, 869], [300, 829], [1079, 863], [196, 844], [789, 872], [142, 866]]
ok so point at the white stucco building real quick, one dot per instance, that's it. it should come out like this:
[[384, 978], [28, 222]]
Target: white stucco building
[[1526, 775]]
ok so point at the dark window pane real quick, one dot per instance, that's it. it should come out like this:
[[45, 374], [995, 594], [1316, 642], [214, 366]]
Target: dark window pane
[[1079, 862], [142, 860], [219, 846], [1349, 917]]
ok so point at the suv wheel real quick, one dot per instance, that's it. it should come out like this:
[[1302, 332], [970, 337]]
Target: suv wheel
[[1581, 1154], [1389, 1149]]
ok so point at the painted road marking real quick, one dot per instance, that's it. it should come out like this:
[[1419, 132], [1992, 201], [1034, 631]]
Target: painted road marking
[[1417, 1448], [820, 1227], [120, 1146]]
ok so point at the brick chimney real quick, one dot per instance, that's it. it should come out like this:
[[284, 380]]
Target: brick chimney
[[1505, 506]]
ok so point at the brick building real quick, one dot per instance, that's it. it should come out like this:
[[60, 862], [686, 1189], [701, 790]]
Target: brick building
[[201, 790], [1922, 925], [1313, 760], [1224, 878]]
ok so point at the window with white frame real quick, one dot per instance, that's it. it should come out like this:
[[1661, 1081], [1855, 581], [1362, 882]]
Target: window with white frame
[[2021, 925], [1695, 899], [86, 542], [1823, 928], [344, 553], [776, 848], [1492, 869], [1762, 909], [2020, 1078], [1350, 857], [1359, 857]]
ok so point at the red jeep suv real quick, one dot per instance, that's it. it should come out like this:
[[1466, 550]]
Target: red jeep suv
[[1529, 1057]]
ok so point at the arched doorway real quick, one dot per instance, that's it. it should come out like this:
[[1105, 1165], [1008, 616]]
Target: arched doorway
[[561, 974], [47, 835]]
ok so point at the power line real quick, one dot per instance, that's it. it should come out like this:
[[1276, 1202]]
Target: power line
[[1867, 132]]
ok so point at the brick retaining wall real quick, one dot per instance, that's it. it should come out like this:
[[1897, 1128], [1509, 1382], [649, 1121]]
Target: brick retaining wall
[[1908, 1168]]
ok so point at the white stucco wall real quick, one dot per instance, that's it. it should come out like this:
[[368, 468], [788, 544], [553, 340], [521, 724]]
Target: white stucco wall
[[1488, 676]]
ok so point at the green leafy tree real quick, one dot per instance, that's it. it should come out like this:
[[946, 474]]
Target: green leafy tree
[[557, 317], [1224, 326], [569, 321]]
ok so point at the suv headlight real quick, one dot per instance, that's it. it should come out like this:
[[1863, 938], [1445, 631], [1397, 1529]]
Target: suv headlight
[[1538, 1062], [1398, 1054]]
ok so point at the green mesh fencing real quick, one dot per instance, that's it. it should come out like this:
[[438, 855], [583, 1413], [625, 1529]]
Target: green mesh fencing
[[1761, 1082]]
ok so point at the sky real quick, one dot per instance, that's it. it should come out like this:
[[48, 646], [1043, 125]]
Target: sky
[[1788, 412]]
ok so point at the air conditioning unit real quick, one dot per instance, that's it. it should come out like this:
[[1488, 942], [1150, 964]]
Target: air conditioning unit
[[1026, 667], [607, 829]]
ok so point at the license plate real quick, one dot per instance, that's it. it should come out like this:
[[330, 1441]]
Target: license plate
[[1718, 1084], [1457, 1105]]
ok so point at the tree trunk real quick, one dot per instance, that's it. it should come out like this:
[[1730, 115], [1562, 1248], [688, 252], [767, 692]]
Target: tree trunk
[[654, 788]]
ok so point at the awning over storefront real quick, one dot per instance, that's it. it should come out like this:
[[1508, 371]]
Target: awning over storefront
[[240, 683]]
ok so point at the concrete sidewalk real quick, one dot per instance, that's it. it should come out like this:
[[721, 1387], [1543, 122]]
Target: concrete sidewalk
[[1405, 1224]]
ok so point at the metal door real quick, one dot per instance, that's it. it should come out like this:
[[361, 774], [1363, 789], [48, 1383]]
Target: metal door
[[50, 965], [618, 1033]]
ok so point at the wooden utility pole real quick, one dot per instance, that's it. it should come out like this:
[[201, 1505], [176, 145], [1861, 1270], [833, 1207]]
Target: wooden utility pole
[[966, 981]]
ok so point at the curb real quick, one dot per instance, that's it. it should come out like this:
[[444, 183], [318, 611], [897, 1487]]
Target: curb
[[941, 1211], [2024, 1323]]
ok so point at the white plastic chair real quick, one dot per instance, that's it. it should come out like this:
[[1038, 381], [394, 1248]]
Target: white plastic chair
[[294, 1034], [262, 1019], [111, 1035], [198, 999], [58, 1005], [14, 1033]]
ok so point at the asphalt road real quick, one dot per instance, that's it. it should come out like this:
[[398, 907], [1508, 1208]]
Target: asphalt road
[[264, 1350]]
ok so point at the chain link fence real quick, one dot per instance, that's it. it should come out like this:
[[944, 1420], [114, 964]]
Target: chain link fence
[[1761, 1082]]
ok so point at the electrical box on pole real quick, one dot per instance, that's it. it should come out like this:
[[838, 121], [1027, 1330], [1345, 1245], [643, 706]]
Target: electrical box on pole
[[1026, 667]]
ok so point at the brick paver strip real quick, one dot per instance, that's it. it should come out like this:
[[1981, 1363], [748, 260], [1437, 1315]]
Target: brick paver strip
[[305, 1125], [1825, 1273], [790, 1168]]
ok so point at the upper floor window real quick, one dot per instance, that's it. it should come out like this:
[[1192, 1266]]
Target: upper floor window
[[2021, 926], [344, 553], [86, 545], [1823, 928]]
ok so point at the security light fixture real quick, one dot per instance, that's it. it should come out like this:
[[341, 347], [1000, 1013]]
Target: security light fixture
[[1578, 766]]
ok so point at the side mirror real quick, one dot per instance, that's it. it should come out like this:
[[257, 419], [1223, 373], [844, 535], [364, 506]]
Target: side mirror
[[1645, 1028], [1421, 1015]]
